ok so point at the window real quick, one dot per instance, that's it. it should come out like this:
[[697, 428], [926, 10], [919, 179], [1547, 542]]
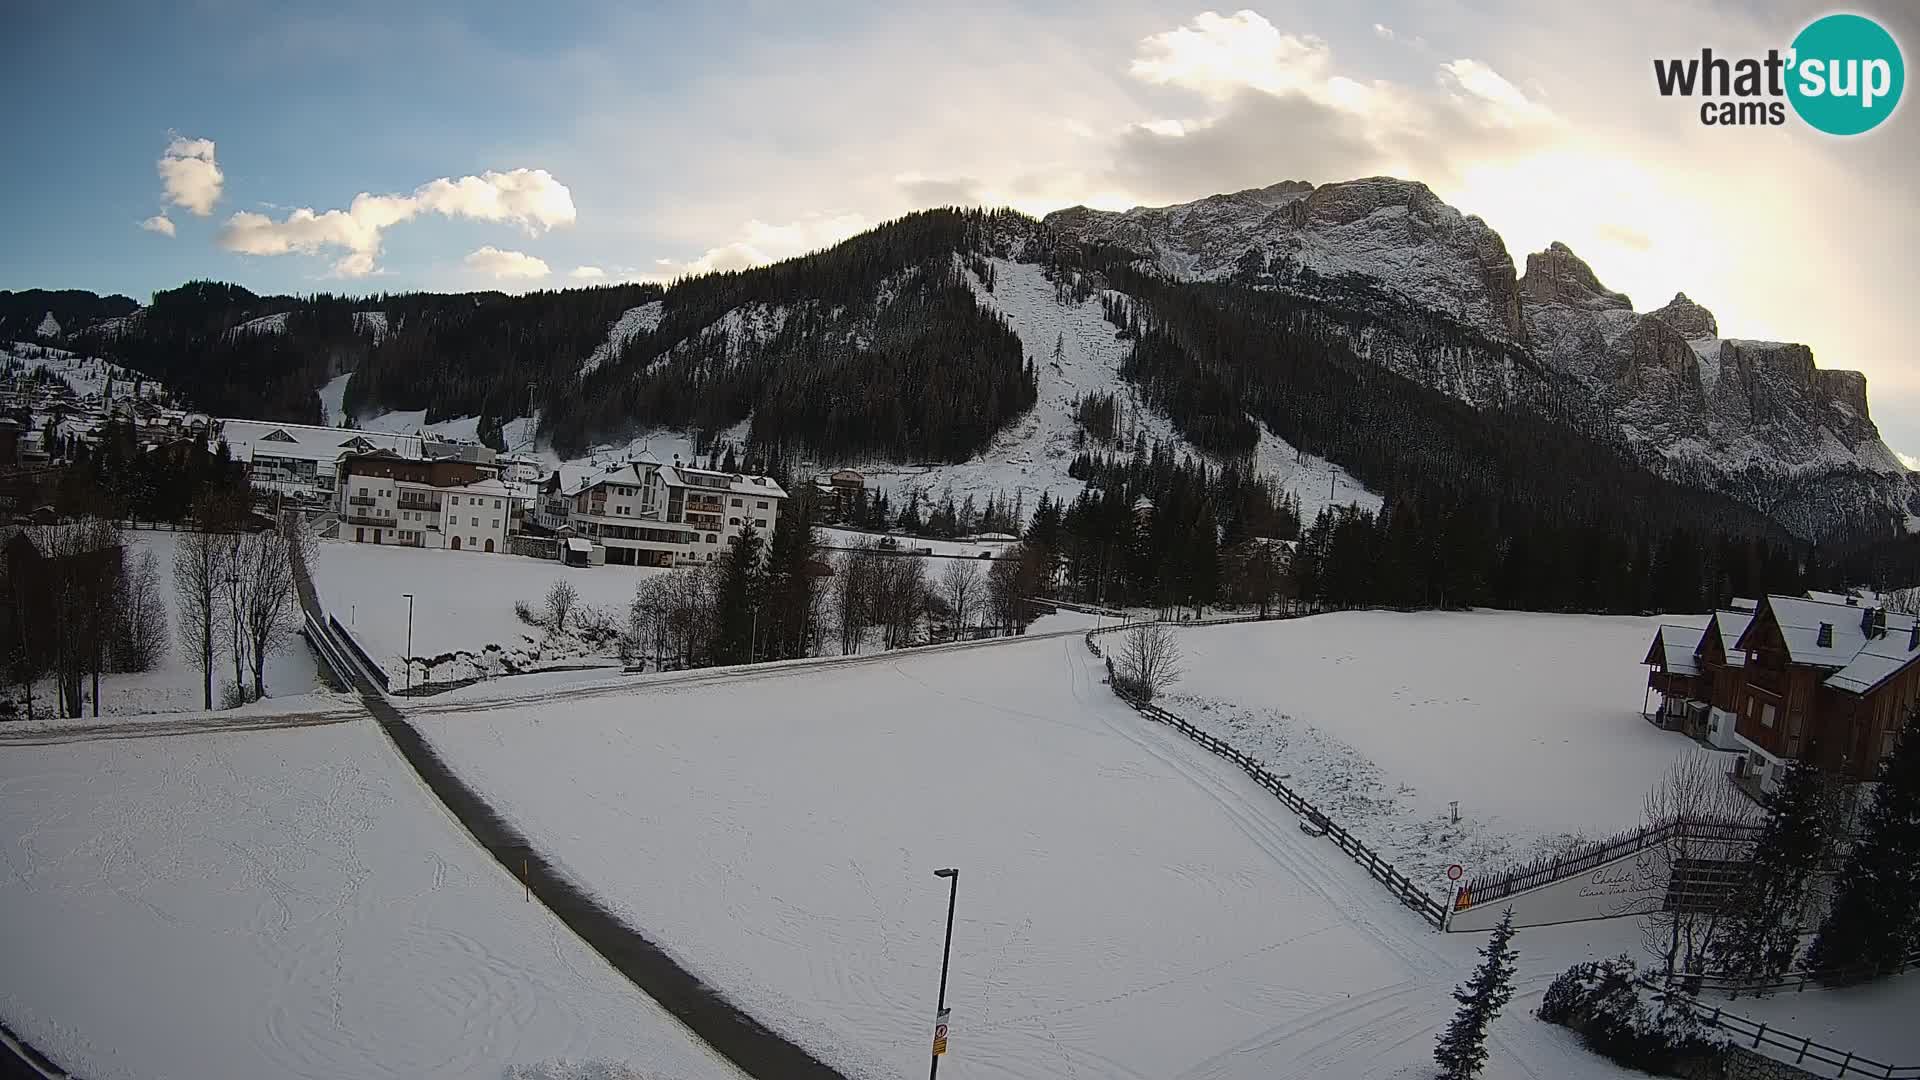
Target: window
[[496, 504], [1766, 716], [733, 521], [476, 522], [472, 541], [759, 523], [761, 505], [363, 491], [711, 539], [736, 502], [496, 523], [456, 500]]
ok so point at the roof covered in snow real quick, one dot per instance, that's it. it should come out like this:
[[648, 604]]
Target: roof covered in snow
[[1676, 646], [1800, 621], [308, 442], [1879, 659], [1731, 624]]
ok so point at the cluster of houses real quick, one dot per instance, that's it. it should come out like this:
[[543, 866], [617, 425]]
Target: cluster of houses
[[1825, 678], [419, 491]]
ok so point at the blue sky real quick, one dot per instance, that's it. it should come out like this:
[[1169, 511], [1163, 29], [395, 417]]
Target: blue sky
[[644, 140]]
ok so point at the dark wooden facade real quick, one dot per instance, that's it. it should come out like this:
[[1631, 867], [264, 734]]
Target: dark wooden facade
[[1789, 710]]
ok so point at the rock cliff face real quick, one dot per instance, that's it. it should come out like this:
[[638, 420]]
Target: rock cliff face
[[1756, 420]]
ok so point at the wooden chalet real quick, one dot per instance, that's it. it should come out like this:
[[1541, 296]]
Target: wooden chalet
[[1828, 681]]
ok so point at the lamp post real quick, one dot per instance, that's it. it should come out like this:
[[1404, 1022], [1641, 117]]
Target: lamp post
[[409, 597], [940, 1017]]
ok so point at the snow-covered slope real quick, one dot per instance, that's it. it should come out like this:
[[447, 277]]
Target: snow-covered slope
[[333, 400], [265, 324], [89, 376], [1076, 354], [1755, 420], [633, 322]]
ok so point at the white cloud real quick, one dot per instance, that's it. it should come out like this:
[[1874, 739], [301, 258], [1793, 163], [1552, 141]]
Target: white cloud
[[1912, 463], [159, 223], [529, 198], [586, 273], [190, 177], [1222, 55], [764, 243], [507, 265], [1383, 30], [1501, 100]]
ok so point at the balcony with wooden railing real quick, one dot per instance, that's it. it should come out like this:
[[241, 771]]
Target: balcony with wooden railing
[[362, 500]]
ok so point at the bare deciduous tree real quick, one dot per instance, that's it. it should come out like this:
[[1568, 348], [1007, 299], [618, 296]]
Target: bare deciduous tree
[[852, 596], [1149, 660], [83, 577], [1904, 601], [199, 575], [562, 598], [960, 583], [1695, 796], [140, 640], [266, 607]]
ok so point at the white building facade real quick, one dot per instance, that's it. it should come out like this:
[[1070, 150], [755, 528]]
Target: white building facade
[[455, 505], [648, 514]]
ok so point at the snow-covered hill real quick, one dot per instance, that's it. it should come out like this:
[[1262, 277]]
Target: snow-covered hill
[[1755, 420], [1077, 354]]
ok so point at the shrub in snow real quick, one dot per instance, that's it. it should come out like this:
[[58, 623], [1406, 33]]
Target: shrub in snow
[[524, 612], [1605, 1002]]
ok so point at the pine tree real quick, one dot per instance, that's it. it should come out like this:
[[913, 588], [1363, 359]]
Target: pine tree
[[736, 600], [1462, 1049], [1875, 919], [1763, 933]]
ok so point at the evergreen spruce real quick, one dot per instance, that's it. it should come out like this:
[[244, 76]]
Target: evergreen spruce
[[737, 600], [1763, 931], [1462, 1049], [1875, 919]]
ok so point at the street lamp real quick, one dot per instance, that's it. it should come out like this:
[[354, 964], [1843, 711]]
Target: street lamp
[[409, 597], [940, 1017]]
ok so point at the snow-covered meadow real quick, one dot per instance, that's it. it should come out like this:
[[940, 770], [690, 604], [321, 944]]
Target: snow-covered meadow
[[288, 904], [463, 603], [1129, 906], [1532, 722]]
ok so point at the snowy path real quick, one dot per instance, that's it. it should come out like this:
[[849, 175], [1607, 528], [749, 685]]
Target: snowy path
[[287, 904], [1130, 906]]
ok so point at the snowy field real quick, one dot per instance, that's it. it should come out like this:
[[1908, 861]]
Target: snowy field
[[972, 549], [175, 685], [1531, 721], [1129, 906], [301, 908], [463, 602]]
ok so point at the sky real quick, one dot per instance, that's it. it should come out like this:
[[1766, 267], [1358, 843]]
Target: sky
[[363, 148]]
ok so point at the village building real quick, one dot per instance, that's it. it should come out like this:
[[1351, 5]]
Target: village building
[[644, 513], [459, 505], [301, 461], [1827, 678]]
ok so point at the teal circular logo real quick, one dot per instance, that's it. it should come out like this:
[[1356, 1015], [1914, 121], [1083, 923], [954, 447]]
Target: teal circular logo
[[1847, 74]]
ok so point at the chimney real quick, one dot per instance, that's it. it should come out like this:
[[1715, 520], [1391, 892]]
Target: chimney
[[1913, 636], [1852, 600], [1879, 622], [1825, 637], [1866, 623]]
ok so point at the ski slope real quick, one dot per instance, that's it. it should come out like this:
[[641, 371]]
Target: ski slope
[[1532, 722], [289, 904], [1032, 453], [1128, 906]]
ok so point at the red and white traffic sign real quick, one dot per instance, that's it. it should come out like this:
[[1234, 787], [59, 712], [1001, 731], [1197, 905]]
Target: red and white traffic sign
[[1455, 872]]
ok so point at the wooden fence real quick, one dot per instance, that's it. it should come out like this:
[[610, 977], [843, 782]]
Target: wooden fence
[[1802, 1048], [1797, 980], [1382, 871], [1487, 889]]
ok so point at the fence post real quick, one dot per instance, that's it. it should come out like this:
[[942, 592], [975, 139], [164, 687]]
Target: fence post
[[1805, 1041], [1848, 1063], [1715, 1022], [1758, 1035]]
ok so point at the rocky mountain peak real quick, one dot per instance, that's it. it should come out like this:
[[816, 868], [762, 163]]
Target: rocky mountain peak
[[1558, 276], [1689, 319]]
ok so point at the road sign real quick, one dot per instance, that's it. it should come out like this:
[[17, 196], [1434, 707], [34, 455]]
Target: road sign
[[940, 1033], [1455, 872]]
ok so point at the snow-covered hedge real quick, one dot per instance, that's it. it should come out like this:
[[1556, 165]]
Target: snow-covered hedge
[[1618, 1018]]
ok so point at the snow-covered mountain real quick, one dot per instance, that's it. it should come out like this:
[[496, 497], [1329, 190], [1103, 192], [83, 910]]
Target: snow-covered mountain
[[1754, 420]]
